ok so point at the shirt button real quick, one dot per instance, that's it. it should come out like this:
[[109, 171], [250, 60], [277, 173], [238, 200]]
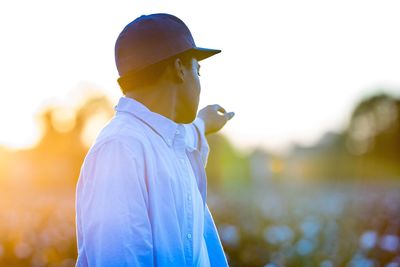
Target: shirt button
[[190, 198], [189, 236], [182, 161], [177, 132]]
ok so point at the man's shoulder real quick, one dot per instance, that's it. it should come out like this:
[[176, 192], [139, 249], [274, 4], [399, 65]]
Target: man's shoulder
[[123, 131]]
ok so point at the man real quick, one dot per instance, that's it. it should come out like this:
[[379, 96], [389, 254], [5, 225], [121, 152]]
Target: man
[[141, 194]]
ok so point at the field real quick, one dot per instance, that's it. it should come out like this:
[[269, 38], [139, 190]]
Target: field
[[276, 224]]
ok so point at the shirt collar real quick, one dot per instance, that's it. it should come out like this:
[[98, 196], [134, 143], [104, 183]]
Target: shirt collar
[[163, 126]]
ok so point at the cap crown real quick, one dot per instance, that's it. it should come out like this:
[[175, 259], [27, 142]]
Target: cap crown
[[150, 39]]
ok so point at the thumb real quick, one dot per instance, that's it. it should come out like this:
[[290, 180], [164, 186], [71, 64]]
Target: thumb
[[229, 115]]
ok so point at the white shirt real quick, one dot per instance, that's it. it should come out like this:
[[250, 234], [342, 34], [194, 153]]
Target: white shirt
[[141, 194]]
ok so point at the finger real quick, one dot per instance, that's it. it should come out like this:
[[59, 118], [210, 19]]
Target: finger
[[217, 107], [229, 115], [222, 110]]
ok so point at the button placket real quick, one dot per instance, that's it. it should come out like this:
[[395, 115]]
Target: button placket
[[179, 148]]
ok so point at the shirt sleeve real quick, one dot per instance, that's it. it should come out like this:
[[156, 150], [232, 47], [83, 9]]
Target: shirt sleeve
[[196, 138], [112, 216]]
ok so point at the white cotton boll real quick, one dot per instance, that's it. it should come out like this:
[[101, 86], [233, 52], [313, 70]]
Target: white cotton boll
[[305, 247], [326, 263], [278, 234], [389, 243], [368, 240]]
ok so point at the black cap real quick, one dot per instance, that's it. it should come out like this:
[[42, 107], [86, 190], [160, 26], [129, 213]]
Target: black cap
[[153, 38]]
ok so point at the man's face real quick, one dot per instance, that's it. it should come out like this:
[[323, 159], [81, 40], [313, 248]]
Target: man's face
[[189, 94]]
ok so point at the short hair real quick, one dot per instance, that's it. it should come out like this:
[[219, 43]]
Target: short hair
[[150, 74]]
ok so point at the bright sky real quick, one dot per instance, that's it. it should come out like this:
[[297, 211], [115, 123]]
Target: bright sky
[[290, 70]]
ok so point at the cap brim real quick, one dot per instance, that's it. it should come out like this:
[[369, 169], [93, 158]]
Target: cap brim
[[202, 53]]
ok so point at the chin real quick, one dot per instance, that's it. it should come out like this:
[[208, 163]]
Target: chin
[[186, 112], [186, 118]]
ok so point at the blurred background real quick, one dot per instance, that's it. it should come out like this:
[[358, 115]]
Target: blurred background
[[306, 174]]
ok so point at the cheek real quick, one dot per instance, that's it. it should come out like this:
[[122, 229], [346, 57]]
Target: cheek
[[196, 90], [196, 84]]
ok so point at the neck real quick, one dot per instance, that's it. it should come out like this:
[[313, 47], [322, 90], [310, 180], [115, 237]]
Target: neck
[[159, 99]]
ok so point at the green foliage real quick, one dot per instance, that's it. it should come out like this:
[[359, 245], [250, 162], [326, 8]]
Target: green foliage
[[226, 166]]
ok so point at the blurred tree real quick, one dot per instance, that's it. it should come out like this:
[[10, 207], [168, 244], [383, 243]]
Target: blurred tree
[[67, 133], [368, 148], [375, 127], [373, 136]]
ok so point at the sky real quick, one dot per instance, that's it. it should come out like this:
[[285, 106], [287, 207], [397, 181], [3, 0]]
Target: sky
[[290, 70]]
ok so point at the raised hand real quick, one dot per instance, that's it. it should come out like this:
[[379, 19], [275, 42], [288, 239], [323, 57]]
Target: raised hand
[[214, 117]]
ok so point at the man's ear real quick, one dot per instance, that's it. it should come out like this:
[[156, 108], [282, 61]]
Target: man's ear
[[179, 70]]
